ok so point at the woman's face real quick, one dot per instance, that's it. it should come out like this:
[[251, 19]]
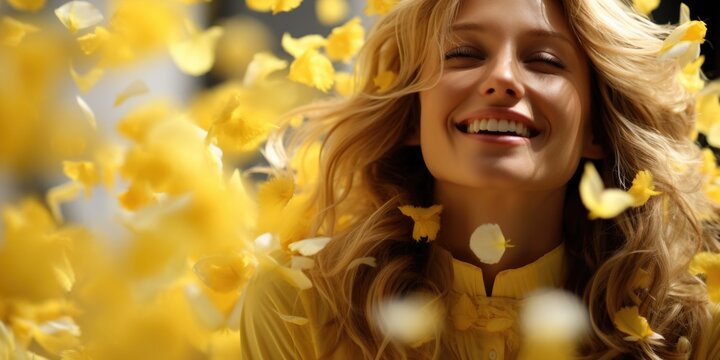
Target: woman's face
[[511, 108]]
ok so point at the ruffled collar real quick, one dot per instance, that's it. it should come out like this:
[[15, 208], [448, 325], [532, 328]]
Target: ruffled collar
[[549, 271]]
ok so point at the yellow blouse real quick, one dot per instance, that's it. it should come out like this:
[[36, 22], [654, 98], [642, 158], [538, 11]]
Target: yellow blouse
[[278, 321]]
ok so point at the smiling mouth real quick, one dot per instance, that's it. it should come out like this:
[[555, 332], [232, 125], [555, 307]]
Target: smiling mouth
[[496, 127]]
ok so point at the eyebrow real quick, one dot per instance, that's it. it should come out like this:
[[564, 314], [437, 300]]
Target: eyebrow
[[543, 33]]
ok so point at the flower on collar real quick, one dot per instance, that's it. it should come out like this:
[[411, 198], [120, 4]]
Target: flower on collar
[[427, 221]]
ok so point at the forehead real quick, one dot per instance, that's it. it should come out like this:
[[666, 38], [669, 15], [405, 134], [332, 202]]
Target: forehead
[[513, 15]]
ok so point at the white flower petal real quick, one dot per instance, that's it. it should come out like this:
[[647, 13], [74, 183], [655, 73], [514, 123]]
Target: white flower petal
[[309, 247], [488, 243]]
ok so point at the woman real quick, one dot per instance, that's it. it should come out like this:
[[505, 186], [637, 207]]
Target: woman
[[566, 82]]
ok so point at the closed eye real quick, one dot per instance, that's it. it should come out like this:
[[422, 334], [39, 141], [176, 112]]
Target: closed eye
[[464, 52], [547, 58]]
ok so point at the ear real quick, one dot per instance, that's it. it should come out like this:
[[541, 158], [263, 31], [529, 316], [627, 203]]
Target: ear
[[592, 150]]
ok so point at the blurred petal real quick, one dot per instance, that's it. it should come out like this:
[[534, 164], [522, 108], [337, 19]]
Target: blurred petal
[[196, 55], [87, 81], [345, 41], [78, 15], [61, 194], [602, 203], [642, 188], [27, 5], [344, 83], [262, 65], [331, 12], [87, 111], [12, 31], [313, 69], [384, 80], [645, 7], [413, 320], [297, 320], [309, 247], [298, 47], [708, 263], [379, 7], [136, 88]]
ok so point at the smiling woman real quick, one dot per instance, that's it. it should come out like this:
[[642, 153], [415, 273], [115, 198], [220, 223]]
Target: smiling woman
[[492, 109]]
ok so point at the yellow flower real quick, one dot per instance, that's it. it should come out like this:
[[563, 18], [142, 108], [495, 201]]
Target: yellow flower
[[645, 7], [239, 128], [313, 69], [12, 31], [262, 65], [384, 80], [298, 47], [276, 6], [379, 7], [27, 5], [345, 41], [684, 41], [195, 56], [331, 11], [600, 202], [690, 76], [78, 15], [642, 188], [136, 88], [427, 221], [488, 243], [629, 321], [708, 263]]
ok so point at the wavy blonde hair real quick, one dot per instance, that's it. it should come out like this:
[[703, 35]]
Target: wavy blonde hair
[[643, 120]]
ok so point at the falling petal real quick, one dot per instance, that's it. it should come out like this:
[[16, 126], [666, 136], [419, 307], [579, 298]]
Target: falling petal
[[309, 247], [89, 115], [488, 243], [629, 321], [379, 7], [262, 65], [313, 69], [61, 194], [78, 15], [297, 320], [600, 202], [642, 188], [83, 172], [690, 76], [331, 12], [224, 273], [12, 32], [298, 47], [345, 41], [427, 221], [301, 263], [87, 81], [384, 80], [196, 55], [136, 88], [645, 7], [413, 320], [708, 264], [203, 307], [369, 261], [27, 5], [344, 83]]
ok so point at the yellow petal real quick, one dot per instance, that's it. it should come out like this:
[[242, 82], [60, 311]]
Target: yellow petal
[[345, 41], [27, 5], [313, 69], [298, 47], [641, 281], [261, 66], [301, 263], [369, 261], [690, 76], [645, 7], [78, 15], [331, 12], [12, 31], [707, 107], [91, 42], [379, 7], [138, 195], [309, 247], [196, 55], [708, 263], [629, 321], [83, 172], [136, 88], [60, 194], [384, 80], [488, 243], [203, 307], [275, 5], [602, 203], [87, 81], [57, 335], [344, 83], [642, 188], [297, 320], [427, 221], [87, 112]]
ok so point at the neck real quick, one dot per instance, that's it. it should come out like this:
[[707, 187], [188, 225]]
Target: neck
[[532, 221]]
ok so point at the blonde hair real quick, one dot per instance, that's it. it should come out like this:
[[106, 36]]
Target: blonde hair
[[644, 121]]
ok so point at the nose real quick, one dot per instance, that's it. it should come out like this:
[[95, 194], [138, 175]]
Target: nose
[[501, 81]]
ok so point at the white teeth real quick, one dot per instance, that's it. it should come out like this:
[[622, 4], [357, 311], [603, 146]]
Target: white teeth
[[496, 125]]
